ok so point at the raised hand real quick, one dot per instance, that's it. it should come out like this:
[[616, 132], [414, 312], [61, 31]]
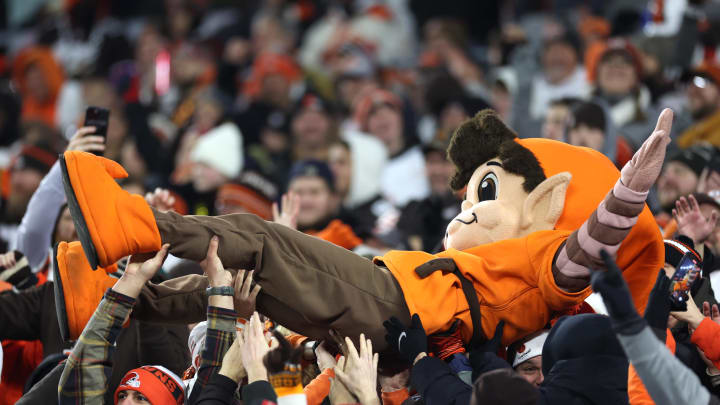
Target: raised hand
[[360, 373], [213, 267], [232, 366], [7, 259], [658, 306], [253, 348], [325, 360], [244, 296], [161, 200], [692, 315], [484, 357], [288, 213], [691, 221], [339, 392], [616, 295], [140, 269], [410, 342], [713, 314], [146, 265], [642, 171], [83, 141]]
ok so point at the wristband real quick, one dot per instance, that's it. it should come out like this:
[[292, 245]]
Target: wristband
[[224, 290]]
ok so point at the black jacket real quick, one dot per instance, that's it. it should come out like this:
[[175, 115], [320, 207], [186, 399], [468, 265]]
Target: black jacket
[[433, 379], [428, 219], [583, 363]]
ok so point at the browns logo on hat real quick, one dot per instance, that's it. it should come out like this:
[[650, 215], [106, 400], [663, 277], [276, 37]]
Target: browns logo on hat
[[158, 384], [530, 348]]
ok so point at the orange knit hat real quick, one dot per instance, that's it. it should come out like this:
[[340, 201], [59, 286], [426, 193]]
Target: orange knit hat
[[158, 384], [371, 100]]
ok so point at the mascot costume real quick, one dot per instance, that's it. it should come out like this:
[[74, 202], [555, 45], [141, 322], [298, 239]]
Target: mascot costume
[[536, 214]]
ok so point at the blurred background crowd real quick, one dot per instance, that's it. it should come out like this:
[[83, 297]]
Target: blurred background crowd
[[333, 116], [347, 104]]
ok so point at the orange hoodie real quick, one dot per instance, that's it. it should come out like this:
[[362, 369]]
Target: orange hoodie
[[513, 278], [33, 109]]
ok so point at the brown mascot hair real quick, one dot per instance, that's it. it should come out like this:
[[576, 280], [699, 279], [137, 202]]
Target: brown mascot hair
[[484, 137]]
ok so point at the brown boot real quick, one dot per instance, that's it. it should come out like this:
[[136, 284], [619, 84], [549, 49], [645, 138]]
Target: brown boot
[[110, 222], [78, 289]]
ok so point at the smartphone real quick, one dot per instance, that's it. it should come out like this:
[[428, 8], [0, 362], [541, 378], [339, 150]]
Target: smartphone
[[97, 117], [685, 275]]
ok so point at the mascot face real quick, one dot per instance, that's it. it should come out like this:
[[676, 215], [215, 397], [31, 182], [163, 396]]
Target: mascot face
[[508, 194], [497, 207], [491, 209]]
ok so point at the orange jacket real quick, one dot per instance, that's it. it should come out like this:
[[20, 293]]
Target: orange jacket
[[319, 388], [20, 357], [707, 338], [395, 397], [340, 234], [513, 278]]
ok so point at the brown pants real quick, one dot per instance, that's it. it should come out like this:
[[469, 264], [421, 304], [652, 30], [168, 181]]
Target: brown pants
[[308, 285]]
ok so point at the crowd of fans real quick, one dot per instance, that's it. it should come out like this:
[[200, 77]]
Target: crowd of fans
[[333, 118]]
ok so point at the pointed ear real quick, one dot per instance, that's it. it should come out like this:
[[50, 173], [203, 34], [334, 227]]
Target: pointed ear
[[544, 205]]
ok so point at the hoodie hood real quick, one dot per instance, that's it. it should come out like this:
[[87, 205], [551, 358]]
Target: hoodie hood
[[42, 57], [583, 362], [369, 157]]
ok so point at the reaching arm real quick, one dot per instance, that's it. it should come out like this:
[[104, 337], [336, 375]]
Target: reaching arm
[[220, 336], [34, 235], [666, 379], [87, 371], [612, 221], [221, 318]]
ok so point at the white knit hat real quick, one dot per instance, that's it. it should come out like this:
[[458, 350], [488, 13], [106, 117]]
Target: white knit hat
[[531, 348], [196, 340], [222, 149]]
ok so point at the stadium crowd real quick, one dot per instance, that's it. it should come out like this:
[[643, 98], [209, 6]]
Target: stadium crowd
[[334, 118]]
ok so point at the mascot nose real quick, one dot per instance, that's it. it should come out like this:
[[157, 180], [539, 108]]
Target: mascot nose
[[488, 221]]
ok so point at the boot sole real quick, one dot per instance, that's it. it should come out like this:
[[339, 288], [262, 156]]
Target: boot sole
[[78, 219], [60, 309]]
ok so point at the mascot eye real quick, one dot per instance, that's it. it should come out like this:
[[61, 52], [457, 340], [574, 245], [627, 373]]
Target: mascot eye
[[488, 188]]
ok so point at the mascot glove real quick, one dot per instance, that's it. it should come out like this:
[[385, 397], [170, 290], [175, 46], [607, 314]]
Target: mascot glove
[[640, 173]]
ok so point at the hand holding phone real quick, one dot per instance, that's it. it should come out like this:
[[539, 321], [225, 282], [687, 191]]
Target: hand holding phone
[[99, 118], [85, 140], [687, 271]]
